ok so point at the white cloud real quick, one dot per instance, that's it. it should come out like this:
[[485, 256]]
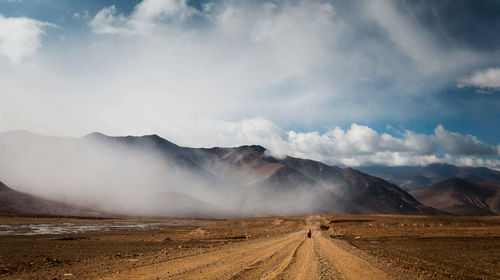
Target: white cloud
[[149, 10], [20, 37], [166, 68], [107, 22], [411, 39], [431, 62], [458, 144], [356, 145], [145, 17], [359, 144], [299, 56], [488, 79]]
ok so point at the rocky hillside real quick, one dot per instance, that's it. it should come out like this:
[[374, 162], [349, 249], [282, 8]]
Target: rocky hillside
[[461, 197]]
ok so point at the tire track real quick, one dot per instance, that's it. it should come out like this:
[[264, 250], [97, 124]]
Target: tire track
[[348, 265], [219, 264], [290, 256], [303, 265], [269, 267]]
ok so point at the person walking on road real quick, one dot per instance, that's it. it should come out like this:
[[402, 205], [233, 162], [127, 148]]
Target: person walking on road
[[309, 233]]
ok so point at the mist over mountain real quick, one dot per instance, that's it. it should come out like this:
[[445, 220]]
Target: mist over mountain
[[415, 177], [461, 197], [149, 175], [13, 203]]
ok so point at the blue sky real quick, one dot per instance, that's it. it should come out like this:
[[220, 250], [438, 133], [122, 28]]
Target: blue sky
[[346, 82]]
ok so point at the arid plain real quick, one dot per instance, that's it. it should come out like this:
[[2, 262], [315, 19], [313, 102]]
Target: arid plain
[[341, 247]]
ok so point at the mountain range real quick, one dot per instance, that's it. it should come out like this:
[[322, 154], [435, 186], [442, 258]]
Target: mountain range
[[461, 197], [149, 175], [415, 177]]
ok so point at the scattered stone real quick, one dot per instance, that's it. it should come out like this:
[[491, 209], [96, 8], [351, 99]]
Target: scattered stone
[[324, 227]]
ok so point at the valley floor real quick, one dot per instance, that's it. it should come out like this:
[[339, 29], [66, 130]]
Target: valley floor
[[341, 247]]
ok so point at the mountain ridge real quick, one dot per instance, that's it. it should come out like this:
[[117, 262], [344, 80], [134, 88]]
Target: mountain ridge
[[415, 177], [461, 197], [242, 181]]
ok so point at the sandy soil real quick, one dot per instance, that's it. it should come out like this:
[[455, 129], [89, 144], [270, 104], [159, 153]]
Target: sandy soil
[[341, 247]]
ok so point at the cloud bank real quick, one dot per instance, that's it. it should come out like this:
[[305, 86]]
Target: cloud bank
[[357, 145], [287, 75]]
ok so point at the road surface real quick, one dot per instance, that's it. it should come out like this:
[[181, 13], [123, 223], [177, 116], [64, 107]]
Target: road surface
[[290, 256]]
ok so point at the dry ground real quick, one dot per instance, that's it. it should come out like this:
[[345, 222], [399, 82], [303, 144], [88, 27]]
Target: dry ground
[[342, 247]]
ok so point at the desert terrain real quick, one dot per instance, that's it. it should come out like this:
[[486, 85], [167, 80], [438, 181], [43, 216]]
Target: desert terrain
[[341, 247]]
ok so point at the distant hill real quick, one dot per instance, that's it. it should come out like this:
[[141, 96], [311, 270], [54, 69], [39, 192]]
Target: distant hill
[[415, 177], [461, 197], [14, 203], [148, 175]]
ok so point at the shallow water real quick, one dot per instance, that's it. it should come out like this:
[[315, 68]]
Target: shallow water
[[79, 227]]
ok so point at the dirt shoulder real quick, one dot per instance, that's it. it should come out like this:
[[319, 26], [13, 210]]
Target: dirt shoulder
[[423, 247]]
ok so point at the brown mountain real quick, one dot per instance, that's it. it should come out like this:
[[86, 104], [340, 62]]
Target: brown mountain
[[14, 203], [125, 174], [416, 177], [331, 189], [461, 197]]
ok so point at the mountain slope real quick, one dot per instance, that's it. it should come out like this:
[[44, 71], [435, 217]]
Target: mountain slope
[[414, 177], [126, 174], [14, 203], [336, 190], [461, 197], [380, 196]]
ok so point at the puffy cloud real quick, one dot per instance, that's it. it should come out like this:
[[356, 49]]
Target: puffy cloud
[[458, 144], [146, 15], [476, 161], [488, 79], [361, 145], [420, 143], [358, 140], [354, 146], [20, 37], [107, 22], [149, 10]]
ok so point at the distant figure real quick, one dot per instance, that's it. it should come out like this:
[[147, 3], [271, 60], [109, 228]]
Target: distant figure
[[309, 233]]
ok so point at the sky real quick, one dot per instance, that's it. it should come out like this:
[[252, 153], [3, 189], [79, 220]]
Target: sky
[[345, 82]]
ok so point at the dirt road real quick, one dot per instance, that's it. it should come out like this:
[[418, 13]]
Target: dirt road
[[290, 256], [341, 247]]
